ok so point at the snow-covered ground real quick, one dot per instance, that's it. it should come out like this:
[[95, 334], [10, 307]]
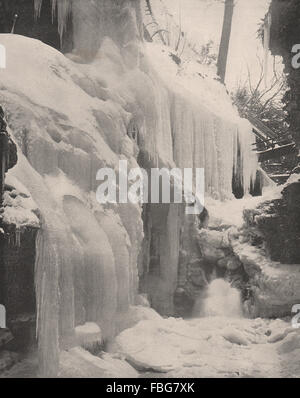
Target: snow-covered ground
[[230, 212], [204, 347], [214, 346]]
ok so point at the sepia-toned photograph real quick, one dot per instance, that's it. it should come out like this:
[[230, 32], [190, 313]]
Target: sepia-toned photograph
[[150, 192]]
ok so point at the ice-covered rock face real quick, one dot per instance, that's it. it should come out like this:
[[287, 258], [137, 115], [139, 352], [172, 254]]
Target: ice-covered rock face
[[121, 20], [71, 118], [86, 254], [95, 20]]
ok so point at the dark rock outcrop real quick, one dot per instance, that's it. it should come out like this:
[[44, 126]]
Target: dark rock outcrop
[[8, 152], [17, 259], [278, 221], [268, 248]]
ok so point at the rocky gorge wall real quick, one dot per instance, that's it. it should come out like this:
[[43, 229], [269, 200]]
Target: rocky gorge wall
[[283, 36], [260, 257]]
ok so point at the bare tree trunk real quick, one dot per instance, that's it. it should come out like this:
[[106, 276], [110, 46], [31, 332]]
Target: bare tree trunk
[[224, 46]]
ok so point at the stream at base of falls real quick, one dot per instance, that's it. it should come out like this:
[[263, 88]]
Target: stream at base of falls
[[219, 342], [235, 348]]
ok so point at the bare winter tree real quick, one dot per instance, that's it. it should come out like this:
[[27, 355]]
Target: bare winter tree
[[170, 32], [225, 39], [253, 99], [158, 31]]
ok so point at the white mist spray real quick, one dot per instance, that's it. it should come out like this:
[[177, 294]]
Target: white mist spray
[[222, 300]]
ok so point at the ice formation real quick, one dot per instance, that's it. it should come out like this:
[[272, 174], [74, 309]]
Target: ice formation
[[63, 9], [71, 118]]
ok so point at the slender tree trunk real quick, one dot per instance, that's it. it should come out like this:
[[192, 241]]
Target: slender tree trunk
[[224, 46]]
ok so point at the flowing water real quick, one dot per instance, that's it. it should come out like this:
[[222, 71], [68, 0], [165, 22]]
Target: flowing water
[[219, 300], [218, 342], [222, 300]]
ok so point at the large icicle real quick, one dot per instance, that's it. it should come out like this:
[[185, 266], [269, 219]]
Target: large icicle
[[63, 7], [37, 8]]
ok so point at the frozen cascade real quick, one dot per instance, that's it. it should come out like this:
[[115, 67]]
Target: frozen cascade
[[267, 38], [194, 136], [82, 243]]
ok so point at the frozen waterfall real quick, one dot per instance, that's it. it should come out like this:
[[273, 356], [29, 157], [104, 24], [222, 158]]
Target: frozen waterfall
[[87, 254]]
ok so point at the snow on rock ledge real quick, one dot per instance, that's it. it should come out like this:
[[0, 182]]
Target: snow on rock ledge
[[88, 336], [275, 287], [20, 209]]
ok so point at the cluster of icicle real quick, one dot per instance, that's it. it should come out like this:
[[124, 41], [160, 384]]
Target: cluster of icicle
[[205, 140], [63, 11]]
